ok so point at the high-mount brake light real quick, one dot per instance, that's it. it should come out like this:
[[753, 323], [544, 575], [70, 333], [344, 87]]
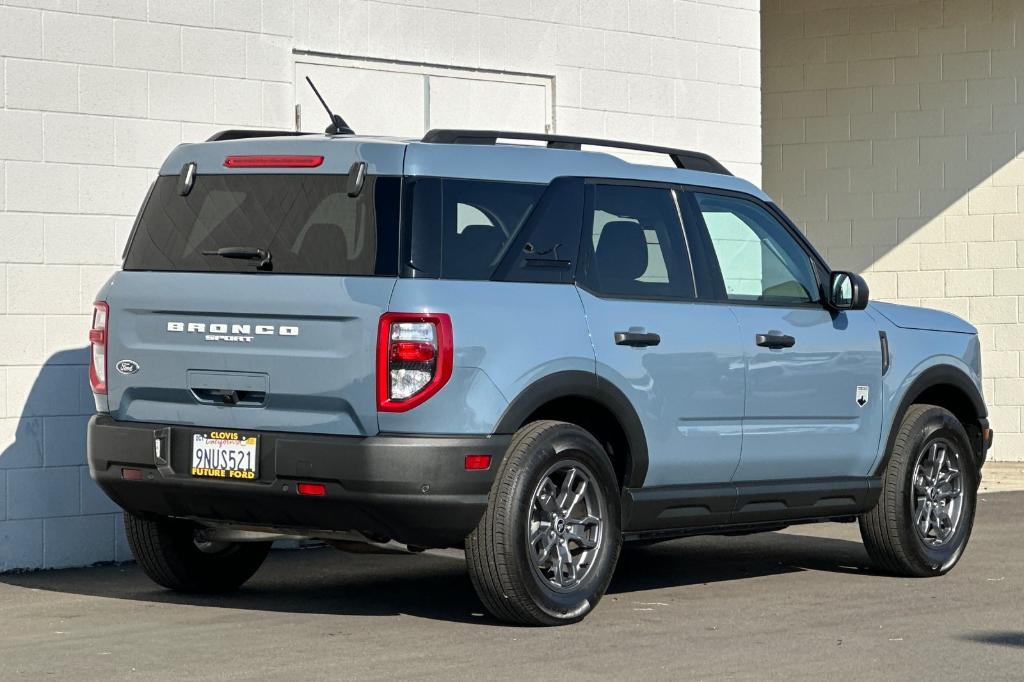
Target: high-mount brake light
[[276, 161], [414, 358], [98, 343]]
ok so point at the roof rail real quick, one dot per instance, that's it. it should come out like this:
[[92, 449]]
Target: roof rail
[[243, 134], [682, 158]]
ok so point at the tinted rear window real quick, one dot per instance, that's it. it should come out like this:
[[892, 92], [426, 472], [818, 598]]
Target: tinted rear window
[[460, 229], [307, 222]]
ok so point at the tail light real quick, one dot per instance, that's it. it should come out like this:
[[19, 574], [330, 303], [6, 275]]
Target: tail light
[[414, 358], [98, 343]]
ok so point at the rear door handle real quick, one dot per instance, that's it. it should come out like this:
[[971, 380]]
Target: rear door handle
[[775, 340], [638, 339]]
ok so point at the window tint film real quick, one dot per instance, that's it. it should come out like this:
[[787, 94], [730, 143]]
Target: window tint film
[[636, 244], [759, 259], [307, 222], [460, 229]]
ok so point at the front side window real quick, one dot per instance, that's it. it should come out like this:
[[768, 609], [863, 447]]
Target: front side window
[[759, 259], [637, 248], [306, 222]]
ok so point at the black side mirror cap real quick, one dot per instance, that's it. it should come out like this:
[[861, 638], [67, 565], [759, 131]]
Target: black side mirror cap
[[847, 291]]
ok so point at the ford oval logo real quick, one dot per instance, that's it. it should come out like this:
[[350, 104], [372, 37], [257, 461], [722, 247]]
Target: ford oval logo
[[127, 367]]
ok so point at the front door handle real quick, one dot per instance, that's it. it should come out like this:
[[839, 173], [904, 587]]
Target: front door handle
[[775, 340], [637, 339]]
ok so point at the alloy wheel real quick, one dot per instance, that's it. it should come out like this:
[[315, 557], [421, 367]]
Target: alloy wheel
[[566, 527], [938, 492]]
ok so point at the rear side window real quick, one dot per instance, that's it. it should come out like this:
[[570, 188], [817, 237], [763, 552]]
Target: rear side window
[[636, 246], [307, 222], [461, 229]]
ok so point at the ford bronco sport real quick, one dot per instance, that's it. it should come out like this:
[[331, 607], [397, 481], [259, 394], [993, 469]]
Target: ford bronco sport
[[534, 351]]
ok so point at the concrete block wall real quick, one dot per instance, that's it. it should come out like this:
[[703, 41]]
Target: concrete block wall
[[94, 93], [893, 134]]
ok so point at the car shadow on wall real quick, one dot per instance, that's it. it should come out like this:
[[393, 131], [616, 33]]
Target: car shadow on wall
[[58, 390], [43, 475], [435, 584]]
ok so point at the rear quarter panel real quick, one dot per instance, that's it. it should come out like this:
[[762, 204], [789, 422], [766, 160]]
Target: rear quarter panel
[[507, 335]]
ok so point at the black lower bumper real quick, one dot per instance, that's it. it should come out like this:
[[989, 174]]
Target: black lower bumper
[[413, 489]]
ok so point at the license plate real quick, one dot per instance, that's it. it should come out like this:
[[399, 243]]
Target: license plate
[[225, 454]]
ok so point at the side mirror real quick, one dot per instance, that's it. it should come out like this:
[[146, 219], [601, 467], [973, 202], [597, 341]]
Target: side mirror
[[847, 291]]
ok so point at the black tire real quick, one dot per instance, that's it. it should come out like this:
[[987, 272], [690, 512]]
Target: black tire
[[889, 533], [167, 552], [498, 553]]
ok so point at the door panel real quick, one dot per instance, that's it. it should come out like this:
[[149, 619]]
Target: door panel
[[679, 362], [813, 380], [802, 419], [687, 390]]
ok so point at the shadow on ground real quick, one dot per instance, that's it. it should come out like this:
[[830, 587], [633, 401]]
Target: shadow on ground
[[1009, 639], [435, 585]]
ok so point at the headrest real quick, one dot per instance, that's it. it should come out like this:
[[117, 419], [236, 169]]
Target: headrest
[[621, 251]]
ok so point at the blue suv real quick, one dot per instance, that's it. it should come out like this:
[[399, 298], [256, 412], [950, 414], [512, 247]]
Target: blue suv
[[531, 350]]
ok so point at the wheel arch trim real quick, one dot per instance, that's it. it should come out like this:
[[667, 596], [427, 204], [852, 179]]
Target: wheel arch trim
[[589, 386], [932, 377]]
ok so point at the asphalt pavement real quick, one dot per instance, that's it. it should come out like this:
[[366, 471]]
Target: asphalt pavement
[[802, 604]]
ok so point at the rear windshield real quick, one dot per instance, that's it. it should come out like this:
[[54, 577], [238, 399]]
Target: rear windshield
[[307, 223]]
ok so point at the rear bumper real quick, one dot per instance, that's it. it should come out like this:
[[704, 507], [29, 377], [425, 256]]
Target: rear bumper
[[413, 489]]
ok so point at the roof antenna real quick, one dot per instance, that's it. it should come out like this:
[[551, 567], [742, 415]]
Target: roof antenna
[[338, 125]]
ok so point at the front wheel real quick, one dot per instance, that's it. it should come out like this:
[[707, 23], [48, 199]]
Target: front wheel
[[545, 549], [174, 556], [924, 516]]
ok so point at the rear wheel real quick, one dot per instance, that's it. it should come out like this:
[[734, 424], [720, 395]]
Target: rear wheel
[[174, 556], [545, 550], [925, 513]]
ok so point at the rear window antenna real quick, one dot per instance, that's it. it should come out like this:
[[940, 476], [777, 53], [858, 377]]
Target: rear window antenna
[[338, 125]]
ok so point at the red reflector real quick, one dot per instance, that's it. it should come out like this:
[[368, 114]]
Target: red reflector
[[131, 474], [97, 335], [478, 462], [314, 489], [273, 161], [412, 351]]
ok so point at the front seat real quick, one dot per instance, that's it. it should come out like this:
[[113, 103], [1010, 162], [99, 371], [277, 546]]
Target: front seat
[[621, 256]]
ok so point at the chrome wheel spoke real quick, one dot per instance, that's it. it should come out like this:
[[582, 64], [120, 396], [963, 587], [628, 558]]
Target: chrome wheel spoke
[[938, 461], [540, 533], [924, 518], [544, 556], [566, 491], [582, 540], [580, 491], [545, 497], [566, 567]]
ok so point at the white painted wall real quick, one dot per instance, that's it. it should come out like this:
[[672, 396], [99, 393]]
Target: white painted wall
[[94, 93], [893, 135]]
